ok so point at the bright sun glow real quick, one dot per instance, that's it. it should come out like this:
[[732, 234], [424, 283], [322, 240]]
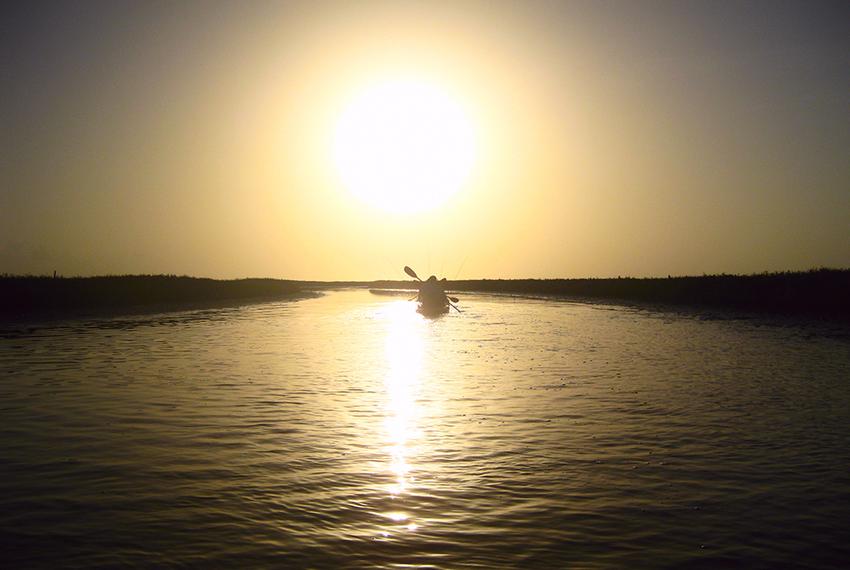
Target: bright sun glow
[[404, 146]]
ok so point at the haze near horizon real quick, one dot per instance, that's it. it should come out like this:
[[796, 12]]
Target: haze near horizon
[[340, 141]]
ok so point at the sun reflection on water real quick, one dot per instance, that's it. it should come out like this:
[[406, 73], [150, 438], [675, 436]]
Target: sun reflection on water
[[405, 348]]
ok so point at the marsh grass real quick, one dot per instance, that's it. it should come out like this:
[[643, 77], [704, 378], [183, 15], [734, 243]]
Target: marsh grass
[[818, 292], [36, 295], [822, 293]]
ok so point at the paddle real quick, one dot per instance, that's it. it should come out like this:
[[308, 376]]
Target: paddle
[[411, 272], [453, 300]]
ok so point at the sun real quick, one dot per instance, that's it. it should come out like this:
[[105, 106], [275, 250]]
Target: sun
[[404, 146]]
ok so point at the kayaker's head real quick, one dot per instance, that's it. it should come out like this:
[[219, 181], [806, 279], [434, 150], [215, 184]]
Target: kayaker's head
[[432, 279]]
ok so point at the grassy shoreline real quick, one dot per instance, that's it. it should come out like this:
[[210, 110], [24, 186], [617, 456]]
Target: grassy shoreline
[[819, 293], [46, 297]]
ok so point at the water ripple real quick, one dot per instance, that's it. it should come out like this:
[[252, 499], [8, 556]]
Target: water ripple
[[347, 431]]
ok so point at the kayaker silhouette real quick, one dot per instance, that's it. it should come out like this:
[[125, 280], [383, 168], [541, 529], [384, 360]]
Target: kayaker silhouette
[[431, 293]]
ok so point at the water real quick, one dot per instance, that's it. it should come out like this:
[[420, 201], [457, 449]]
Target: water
[[348, 431]]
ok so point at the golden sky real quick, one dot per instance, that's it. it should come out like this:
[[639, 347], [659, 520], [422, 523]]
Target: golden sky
[[547, 139]]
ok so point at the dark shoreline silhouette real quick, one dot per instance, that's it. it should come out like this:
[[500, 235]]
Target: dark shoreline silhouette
[[819, 293], [28, 296]]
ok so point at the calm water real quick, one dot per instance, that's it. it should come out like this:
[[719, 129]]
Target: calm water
[[348, 431]]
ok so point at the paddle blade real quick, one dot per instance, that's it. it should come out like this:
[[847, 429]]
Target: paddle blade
[[453, 299], [411, 272]]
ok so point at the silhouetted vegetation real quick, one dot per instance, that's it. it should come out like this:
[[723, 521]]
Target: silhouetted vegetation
[[820, 292], [27, 295]]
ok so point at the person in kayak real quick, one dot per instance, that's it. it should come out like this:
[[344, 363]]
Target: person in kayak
[[432, 294]]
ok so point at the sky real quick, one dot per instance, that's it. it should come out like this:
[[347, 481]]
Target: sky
[[544, 139]]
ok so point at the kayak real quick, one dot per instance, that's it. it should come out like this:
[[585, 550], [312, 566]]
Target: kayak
[[433, 308], [429, 309]]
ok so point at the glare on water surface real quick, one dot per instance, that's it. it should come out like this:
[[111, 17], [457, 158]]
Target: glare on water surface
[[404, 353]]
